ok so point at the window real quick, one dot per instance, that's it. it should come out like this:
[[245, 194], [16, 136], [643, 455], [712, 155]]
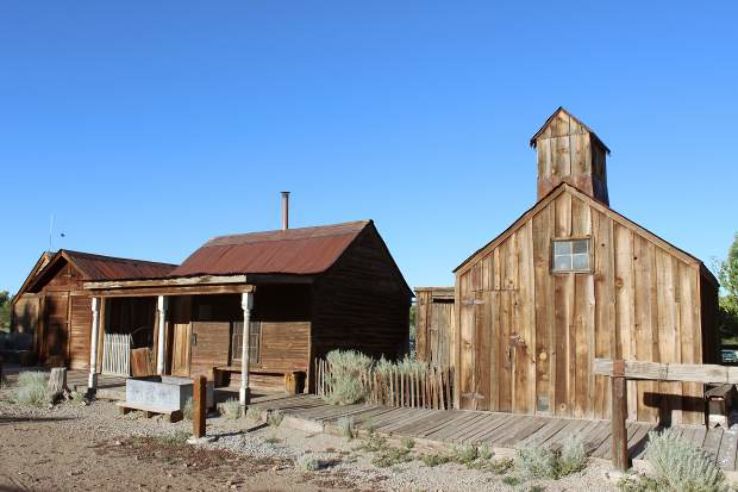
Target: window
[[571, 255], [254, 342]]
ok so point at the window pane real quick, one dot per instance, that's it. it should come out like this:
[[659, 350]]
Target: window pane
[[581, 262], [562, 247], [562, 263], [581, 246]]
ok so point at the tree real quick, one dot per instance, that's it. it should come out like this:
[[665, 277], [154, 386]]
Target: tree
[[4, 310], [729, 294]]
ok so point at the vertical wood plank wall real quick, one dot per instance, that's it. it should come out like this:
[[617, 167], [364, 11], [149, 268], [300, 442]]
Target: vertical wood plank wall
[[527, 338]]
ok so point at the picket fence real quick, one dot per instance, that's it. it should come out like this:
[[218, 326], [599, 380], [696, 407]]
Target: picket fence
[[431, 387], [117, 354]]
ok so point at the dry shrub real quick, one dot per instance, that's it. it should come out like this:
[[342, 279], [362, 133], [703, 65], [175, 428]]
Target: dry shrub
[[543, 462], [230, 409], [344, 377], [31, 389]]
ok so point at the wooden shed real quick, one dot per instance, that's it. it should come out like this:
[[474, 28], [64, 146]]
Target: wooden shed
[[302, 291], [53, 304], [571, 280], [434, 324]]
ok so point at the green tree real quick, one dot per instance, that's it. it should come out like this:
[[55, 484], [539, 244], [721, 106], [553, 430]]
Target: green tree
[[729, 294], [5, 310]]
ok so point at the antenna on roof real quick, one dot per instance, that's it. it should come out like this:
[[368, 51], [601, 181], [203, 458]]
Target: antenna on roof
[[285, 210]]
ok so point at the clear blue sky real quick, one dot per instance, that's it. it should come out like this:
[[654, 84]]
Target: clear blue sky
[[148, 127]]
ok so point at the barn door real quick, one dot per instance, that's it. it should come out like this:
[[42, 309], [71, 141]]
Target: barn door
[[56, 319], [181, 349], [210, 344]]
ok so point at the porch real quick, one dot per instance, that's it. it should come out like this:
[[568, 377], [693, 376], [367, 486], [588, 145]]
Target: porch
[[503, 432]]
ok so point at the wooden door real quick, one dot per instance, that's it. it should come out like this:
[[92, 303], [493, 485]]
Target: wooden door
[[56, 318], [210, 344], [80, 329], [181, 349]]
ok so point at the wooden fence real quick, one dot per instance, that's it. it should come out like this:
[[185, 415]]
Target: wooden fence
[[423, 388], [117, 354], [621, 370]]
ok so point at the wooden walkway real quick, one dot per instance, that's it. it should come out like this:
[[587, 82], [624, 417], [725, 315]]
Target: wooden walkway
[[503, 432]]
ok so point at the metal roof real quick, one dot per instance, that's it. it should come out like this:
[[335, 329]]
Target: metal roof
[[97, 267], [300, 251]]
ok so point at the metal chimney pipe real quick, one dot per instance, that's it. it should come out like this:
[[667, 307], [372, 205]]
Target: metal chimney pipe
[[285, 210]]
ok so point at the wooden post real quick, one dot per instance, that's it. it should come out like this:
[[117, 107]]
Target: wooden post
[[92, 379], [247, 303], [199, 401], [619, 414], [161, 307]]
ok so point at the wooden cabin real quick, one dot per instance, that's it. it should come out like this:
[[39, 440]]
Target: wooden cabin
[[302, 292], [571, 280], [434, 324], [53, 304]]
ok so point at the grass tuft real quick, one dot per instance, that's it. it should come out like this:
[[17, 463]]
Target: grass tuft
[[230, 409], [542, 462], [188, 411], [275, 418], [345, 427], [30, 389]]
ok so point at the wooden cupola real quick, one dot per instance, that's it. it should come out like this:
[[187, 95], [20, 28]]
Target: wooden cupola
[[569, 151]]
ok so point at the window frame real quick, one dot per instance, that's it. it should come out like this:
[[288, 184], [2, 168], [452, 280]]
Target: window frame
[[590, 254], [255, 339]]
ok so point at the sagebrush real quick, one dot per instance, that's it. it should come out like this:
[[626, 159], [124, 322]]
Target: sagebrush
[[679, 466], [550, 463], [188, 411], [344, 377]]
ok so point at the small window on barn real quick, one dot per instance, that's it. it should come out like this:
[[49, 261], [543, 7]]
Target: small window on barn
[[571, 255]]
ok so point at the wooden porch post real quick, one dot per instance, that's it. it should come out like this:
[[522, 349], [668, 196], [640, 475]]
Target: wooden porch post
[[247, 303], [161, 307], [92, 380], [619, 414]]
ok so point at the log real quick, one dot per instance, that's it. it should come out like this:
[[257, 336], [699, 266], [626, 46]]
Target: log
[[198, 406], [619, 414]]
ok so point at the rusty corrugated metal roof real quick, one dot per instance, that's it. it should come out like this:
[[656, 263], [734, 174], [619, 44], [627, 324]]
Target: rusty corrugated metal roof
[[302, 251], [99, 267]]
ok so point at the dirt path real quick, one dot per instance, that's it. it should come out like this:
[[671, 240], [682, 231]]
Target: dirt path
[[47, 453]]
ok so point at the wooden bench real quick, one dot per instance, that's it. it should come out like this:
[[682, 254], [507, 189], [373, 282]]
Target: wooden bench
[[289, 374], [718, 403], [149, 411]]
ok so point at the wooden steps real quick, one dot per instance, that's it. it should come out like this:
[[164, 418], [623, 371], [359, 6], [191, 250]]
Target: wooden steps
[[150, 411]]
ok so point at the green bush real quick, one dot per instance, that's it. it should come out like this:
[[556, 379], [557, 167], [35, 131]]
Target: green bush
[[680, 466], [435, 459], [30, 389], [344, 377], [542, 462]]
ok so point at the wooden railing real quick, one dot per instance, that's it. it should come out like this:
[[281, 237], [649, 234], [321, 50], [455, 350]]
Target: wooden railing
[[431, 387], [622, 370]]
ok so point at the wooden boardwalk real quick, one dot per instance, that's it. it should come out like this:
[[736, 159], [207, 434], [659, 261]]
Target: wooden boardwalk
[[503, 432]]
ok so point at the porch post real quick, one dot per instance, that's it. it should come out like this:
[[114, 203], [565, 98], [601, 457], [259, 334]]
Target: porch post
[[161, 307], [247, 302], [92, 380]]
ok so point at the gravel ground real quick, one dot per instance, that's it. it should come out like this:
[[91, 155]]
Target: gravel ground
[[93, 447]]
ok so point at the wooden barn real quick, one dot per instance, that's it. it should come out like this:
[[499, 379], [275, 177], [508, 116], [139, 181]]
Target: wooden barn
[[300, 292], [53, 304], [571, 280]]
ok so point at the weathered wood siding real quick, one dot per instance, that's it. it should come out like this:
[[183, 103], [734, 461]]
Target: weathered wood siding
[[362, 302], [79, 331], [569, 152], [527, 338], [434, 325], [285, 345]]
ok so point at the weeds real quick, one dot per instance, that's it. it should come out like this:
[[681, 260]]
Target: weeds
[[188, 411], [374, 443], [408, 442], [176, 438], [540, 462], [30, 389], [230, 409], [510, 480], [275, 418], [345, 427], [435, 459], [390, 456], [253, 413], [308, 463]]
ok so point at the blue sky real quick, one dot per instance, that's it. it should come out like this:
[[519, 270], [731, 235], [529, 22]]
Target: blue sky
[[148, 127]]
